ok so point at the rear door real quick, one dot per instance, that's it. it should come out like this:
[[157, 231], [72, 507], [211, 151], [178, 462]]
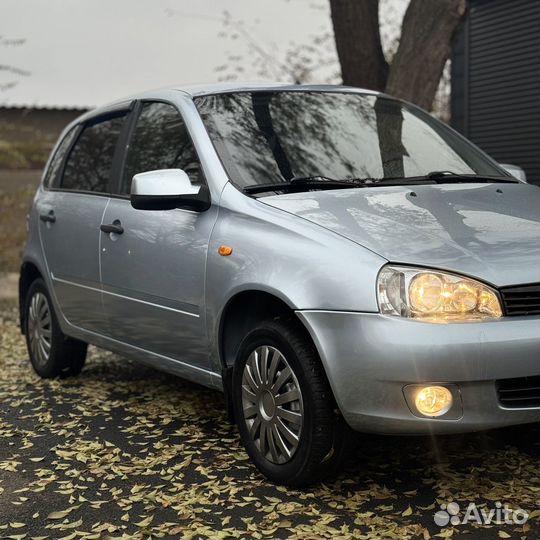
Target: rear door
[[71, 209], [153, 274]]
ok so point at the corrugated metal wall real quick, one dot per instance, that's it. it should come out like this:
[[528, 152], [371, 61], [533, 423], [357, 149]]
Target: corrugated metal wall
[[496, 81]]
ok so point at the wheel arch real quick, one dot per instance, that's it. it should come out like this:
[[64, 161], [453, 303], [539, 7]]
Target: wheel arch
[[243, 311], [28, 274]]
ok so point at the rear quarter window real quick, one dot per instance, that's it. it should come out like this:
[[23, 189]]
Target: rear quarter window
[[51, 174], [89, 165]]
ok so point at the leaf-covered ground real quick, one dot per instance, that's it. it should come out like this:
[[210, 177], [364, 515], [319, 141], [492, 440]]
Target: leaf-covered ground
[[125, 452]]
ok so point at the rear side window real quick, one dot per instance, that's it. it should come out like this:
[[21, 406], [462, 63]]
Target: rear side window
[[58, 158], [160, 141], [89, 165]]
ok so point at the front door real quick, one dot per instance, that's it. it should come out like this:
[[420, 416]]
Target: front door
[[153, 273], [71, 210]]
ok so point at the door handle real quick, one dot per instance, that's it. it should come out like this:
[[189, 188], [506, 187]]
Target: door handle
[[114, 227], [49, 217]]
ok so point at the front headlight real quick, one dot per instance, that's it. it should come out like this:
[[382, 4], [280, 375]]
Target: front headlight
[[434, 296]]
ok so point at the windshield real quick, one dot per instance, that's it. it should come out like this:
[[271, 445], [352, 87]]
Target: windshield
[[274, 136]]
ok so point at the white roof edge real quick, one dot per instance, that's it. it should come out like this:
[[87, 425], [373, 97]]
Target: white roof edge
[[196, 90], [193, 90], [221, 88]]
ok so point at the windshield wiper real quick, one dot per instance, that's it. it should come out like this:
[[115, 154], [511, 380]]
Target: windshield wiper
[[434, 177], [300, 183], [449, 176]]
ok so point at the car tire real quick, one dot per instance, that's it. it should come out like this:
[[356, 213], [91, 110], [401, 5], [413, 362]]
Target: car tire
[[297, 412], [52, 353]]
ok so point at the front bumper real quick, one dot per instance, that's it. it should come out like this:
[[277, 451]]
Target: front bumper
[[369, 359]]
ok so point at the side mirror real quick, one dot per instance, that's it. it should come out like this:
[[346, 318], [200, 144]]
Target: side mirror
[[167, 189], [516, 171]]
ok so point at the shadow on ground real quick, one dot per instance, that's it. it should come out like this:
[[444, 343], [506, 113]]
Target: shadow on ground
[[124, 451]]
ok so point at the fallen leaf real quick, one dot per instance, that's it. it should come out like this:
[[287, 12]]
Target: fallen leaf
[[407, 512], [59, 515], [145, 522]]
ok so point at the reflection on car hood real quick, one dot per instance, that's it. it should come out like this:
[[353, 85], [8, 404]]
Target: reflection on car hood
[[491, 231]]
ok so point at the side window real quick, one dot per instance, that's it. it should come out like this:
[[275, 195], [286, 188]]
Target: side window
[[89, 165], [58, 158], [160, 141]]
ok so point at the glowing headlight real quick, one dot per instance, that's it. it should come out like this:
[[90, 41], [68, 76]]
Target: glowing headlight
[[434, 296]]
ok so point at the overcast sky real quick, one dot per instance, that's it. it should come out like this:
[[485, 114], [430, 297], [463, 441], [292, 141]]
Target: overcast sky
[[82, 53]]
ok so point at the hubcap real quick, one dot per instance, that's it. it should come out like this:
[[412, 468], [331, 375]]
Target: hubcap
[[39, 328], [272, 404]]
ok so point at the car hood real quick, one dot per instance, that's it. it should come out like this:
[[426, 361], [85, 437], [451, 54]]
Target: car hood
[[490, 231]]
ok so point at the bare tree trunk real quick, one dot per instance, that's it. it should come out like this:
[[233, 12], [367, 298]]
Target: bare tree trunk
[[358, 43], [426, 34]]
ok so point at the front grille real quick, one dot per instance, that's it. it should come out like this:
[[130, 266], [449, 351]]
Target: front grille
[[521, 300], [519, 393]]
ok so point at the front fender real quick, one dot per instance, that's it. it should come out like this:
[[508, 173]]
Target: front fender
[[301, 263]]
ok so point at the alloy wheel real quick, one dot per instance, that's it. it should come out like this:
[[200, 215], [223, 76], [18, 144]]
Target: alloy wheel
[[272, 404], [39, 328]]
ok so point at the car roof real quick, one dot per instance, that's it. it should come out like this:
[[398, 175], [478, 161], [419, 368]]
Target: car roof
[[197, 90], [231, 87]]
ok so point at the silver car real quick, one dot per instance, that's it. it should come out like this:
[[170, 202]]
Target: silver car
[[331, 258]]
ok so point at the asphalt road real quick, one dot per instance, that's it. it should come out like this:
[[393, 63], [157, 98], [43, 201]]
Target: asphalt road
[[125, 452]]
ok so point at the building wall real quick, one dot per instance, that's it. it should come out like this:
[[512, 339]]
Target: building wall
[[496, 81], [17, 123], [27, 135]]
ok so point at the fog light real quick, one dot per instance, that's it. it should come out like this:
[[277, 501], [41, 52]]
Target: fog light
[[433, 400]]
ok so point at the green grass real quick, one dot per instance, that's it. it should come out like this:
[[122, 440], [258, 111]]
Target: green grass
[[23, 155]]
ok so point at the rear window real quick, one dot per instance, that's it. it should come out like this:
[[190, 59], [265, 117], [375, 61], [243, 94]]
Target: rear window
[[89, 165]]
